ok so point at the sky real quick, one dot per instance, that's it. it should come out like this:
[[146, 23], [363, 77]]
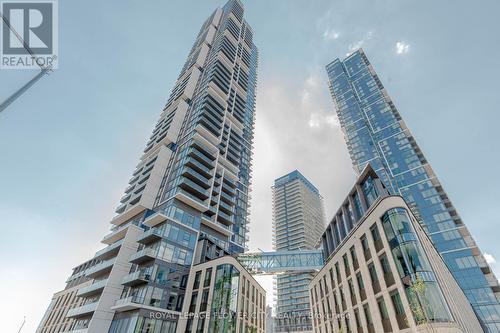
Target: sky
[[69, 145]]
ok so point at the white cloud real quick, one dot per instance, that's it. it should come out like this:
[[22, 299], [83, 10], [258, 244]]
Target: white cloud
[[318, 120], [490, 259], [331, 34], [402, 47], [359, 43], [356, 45]]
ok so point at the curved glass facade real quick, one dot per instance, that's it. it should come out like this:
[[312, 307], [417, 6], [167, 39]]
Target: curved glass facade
[[225, 300], [426, 301]]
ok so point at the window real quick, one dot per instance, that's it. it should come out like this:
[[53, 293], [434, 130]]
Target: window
[[366, 247], [346, 264], [368, 315], [192, 305], [369, 190], [208, 277], [382, 309], [352, 292], [388, 277], [356, 318], [354, 258], [398, 305], [204, 300], [189, 325], [201, 325], [337, 271], [384, 315], [376, 238], [331, 278], [373, 273], [357, 206], [197, 277], [359, 278], [385, 264], [374, 278]]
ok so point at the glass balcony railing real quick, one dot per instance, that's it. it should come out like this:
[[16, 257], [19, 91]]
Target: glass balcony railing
[[225, 216], [100, 268], [225, 206], [94, 288], [192, 197], [190, 161], [187, 183], [150, 236], [143, 255], [138, 277], [108, 250], [200, 156], [195, 176], [82, 310], [227, 198], [130, 299], [191, 186]]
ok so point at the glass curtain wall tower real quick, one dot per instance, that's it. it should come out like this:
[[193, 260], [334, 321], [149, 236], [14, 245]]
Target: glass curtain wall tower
[[187, 201], [298, 223], [376, 134]]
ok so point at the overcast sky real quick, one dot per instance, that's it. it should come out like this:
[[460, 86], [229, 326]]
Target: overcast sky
[[70, 144]]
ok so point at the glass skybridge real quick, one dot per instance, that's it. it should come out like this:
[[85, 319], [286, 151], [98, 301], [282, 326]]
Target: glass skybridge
[[277, 262]]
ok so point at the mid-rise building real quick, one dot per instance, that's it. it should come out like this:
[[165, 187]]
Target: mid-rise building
[[223, 297], [55, 319], [187, 201], [298, 222], [382, 272], [377, 135]]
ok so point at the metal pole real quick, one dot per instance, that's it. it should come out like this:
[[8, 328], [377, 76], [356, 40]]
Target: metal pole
[[43, 69]]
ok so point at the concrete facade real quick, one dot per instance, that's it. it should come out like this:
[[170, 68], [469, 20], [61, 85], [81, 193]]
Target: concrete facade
[[378, 280], [223, 297], [187, 201]]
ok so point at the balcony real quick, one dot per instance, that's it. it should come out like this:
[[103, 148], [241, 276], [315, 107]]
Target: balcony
[[196, 177], [227, 198], [129, 303], [143, 255], [94, 288], [136, 278], [201, 168], [223, 229], [150, 236], [228, 209], [200, 157], [101, 268], [190, 186], [115, 235], [224, 218], [128, 214], [82, 310], [109, 251], [79, 330], [154, 219], [191, 200]]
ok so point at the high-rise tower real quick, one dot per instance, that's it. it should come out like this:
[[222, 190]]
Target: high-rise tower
[[298, 223], [375, 133], [187, 201]]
